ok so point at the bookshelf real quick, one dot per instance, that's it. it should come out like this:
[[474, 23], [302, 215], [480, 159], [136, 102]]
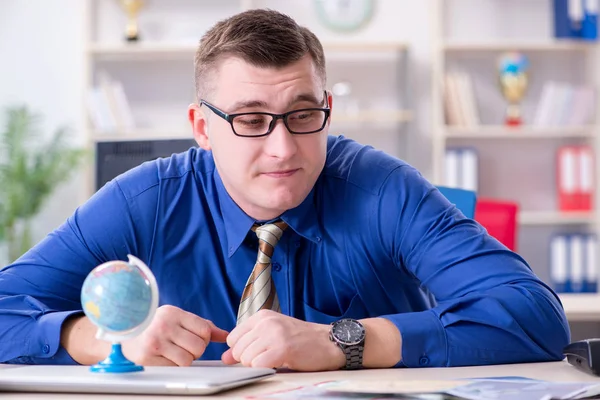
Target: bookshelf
[[514, 160], [156, 73]]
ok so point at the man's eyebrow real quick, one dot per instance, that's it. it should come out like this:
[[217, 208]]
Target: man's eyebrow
[[247, 104], [307, 97]]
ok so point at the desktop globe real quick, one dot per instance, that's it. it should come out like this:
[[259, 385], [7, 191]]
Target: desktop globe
[[120, 298]]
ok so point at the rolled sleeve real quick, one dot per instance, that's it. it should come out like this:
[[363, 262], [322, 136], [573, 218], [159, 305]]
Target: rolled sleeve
[[424, 342]]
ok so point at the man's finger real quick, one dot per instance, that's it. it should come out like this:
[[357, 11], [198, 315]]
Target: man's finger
[[188, 341], [177, 355], [217, 334], [201, 327], [238, 332], [227, 358]]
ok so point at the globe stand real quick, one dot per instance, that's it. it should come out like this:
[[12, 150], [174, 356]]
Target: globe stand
[[116, 362]]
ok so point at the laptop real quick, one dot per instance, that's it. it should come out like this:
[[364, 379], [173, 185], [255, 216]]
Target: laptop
[[198, 379]]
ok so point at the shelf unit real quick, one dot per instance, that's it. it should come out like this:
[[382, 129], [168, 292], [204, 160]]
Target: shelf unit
[[451, 48], [167, 63]]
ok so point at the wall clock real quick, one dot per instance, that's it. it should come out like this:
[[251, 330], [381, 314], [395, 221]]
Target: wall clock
[[344, 15]]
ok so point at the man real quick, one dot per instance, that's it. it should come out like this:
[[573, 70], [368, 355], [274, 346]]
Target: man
[[347, 235]]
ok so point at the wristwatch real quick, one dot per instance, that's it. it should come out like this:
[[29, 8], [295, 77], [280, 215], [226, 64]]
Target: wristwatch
[[349, 335]]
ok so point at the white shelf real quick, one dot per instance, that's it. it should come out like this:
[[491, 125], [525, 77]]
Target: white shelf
[[581, 306], [158, 49], [142, 134], [524, 132], [557, 45], [373, 116], [556, 218]]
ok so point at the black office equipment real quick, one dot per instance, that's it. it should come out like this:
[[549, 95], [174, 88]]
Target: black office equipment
[[585, 355], [114, 158]]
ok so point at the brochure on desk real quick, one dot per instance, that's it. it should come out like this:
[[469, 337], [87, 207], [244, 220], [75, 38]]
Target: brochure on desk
[[505, 388]]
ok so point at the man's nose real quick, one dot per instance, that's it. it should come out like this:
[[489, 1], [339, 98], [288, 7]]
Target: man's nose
[[280, 142]]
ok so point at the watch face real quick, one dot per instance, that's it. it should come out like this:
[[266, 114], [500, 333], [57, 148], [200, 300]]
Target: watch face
[[348, 331]]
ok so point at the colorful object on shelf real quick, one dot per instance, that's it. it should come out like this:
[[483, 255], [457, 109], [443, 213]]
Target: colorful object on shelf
[[513, 80], [576, 19], [499, 218], [573, 266], [464, 200], [120, 298], [575, 178]]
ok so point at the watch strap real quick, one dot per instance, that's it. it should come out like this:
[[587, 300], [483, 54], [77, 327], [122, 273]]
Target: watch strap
[[354, 356]]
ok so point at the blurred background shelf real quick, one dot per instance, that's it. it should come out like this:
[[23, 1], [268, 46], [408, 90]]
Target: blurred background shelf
[[581, 306], [149, 50], [520, 45], [142, 134], [556, 218], [525, 132]]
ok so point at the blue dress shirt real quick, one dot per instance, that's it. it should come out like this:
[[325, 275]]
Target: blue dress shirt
[[373, 238]]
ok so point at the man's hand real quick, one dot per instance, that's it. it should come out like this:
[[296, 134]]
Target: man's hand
[[174, 337], [273, 340]]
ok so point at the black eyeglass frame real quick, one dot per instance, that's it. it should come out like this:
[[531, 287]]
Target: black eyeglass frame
[[230, 117]]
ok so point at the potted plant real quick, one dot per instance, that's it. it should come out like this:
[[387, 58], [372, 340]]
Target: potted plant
[[30, 169]]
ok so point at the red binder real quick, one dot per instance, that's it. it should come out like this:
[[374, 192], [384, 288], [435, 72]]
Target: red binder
[[567, 179], [575, 178], [499, 218]]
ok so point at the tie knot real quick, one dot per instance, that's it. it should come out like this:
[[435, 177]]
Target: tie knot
[[270, 233]]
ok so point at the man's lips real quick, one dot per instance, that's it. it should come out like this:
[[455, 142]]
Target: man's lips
[[281, 173]]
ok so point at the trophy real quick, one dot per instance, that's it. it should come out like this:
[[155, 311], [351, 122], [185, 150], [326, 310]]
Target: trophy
[[512, 73], [132, 8]]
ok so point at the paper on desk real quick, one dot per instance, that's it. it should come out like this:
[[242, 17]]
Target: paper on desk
[[505, 388], [377, 386]]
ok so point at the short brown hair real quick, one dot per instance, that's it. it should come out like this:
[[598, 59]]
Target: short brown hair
[[261, 37]]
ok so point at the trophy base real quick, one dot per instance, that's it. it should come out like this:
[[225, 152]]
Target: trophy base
[[513, 115], [513, 121]]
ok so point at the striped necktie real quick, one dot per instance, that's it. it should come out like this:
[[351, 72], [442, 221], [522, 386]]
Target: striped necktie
[[259, 292]]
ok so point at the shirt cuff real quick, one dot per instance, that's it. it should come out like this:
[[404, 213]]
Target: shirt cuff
[[424, 341], [44, 348]]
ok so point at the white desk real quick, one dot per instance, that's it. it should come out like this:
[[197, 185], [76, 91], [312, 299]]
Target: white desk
[[553, 371]]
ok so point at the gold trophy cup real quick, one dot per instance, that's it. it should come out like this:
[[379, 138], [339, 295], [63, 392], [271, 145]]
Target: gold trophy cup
[[513, 82], [132, 8]]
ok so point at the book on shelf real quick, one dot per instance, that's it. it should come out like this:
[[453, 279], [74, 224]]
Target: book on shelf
[[108, 106], [575, 178], [459, 100], [573, 266], [563, 104], [461, 168]]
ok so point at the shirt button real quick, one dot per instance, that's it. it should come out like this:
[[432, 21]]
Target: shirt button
[[423, 360], [46, 349], [277, 267], [318, 238], [297, 243]]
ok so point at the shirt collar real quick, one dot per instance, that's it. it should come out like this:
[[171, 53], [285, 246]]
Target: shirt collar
[[302, 219]]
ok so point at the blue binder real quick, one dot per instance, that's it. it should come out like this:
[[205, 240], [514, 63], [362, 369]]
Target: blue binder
[[564, 27], [589, 25]]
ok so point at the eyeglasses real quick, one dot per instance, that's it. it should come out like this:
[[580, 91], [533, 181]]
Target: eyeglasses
[[258, 124]]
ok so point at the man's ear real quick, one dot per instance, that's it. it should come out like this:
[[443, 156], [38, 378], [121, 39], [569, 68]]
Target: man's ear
[[199, 122]]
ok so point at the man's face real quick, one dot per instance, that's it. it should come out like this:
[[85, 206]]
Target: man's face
[[265, 175]]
